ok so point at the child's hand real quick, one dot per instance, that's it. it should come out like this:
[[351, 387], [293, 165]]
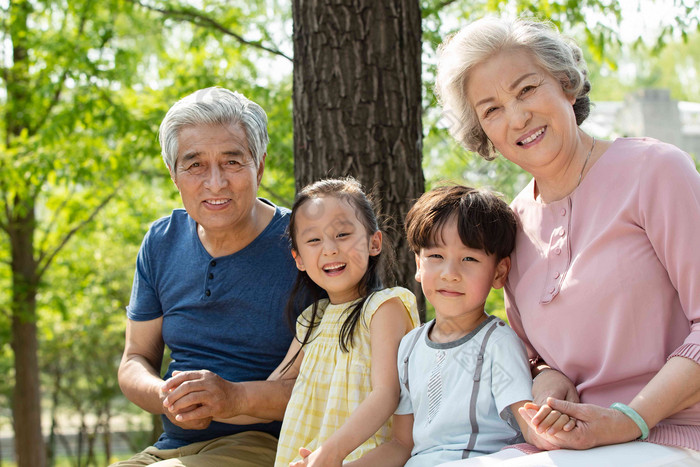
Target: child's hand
[[546, 419], [317, 458], [304, 453], [594, 425]]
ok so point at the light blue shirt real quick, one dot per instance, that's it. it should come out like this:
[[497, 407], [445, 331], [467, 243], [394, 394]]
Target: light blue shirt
[[504, 380]]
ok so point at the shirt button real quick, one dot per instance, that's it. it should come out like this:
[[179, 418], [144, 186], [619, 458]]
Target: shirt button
[[563, 211], [551, 290], [207, 292], [213, 263], [557, 251], [556, 275], [562, 233], [211, 276]]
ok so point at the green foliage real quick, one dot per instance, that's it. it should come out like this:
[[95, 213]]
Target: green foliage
[[78, 148], [78, 142], [82, 333]]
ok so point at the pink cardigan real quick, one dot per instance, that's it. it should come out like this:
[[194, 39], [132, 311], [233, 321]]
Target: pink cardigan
[[605, 283]]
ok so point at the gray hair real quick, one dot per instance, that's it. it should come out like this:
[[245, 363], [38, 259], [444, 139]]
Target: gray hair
[[484, 38], [214, 106]]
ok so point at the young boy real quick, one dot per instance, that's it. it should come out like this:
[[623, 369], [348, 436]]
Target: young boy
[[465, 374]]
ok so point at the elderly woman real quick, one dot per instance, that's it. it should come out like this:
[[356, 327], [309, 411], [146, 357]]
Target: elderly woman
[[605, 282]]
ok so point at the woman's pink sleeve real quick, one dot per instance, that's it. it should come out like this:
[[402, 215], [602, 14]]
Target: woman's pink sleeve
[[670, 211]]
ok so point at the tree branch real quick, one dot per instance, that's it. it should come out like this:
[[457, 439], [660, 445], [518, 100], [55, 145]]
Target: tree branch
[[200, 19], [61, 82], [34, 193], [52, 221], [444, 3], [6, 204], [5, 200], [50, 256], [438, 7], [276, 197]]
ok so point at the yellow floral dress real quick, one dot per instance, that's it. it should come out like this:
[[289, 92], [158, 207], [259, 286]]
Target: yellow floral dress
[[332, 383]]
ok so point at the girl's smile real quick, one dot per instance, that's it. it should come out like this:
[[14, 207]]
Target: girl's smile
[[334, 269], [334, 246]]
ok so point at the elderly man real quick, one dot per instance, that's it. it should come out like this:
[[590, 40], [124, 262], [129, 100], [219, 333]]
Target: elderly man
[[211, 283]]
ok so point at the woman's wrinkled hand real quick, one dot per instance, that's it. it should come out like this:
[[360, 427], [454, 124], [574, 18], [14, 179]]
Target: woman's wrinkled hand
[[595, 426]]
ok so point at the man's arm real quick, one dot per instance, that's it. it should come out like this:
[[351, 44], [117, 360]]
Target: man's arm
[[213, 396], [284, 371], [139, 375]]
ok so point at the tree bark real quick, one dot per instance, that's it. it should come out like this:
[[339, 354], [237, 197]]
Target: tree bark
[[26, 406], [357, 104], [26, 400]]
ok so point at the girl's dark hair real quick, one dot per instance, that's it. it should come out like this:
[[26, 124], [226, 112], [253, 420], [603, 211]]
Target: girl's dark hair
[[378, 271]]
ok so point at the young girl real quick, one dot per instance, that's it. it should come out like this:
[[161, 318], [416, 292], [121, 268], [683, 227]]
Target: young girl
[[344, 354]]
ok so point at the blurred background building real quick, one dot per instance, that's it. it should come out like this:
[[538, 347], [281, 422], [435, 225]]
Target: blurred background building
[[652, 113]]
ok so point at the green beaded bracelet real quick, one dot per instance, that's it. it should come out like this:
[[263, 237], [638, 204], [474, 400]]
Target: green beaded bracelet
[[636, 418]]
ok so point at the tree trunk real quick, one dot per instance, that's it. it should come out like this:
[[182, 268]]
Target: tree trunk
[[357, 104], [107, 432], [26, 401], [55, 390]]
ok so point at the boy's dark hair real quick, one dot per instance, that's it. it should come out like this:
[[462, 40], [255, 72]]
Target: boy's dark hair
[[484, 220], [379, 272]]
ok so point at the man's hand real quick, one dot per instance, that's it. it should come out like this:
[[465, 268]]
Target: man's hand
[[193, 395], [195, 424]]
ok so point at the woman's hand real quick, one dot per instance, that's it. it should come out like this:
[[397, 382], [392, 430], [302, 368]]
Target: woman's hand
[[595, 426], [550, 383], [553, 383]]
